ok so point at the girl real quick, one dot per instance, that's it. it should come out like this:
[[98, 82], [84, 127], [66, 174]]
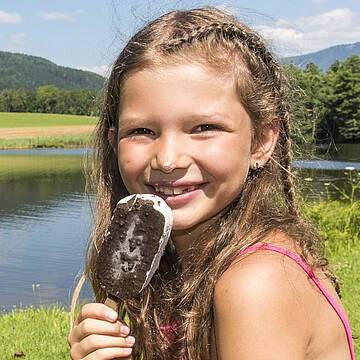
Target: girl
[[196, 112]]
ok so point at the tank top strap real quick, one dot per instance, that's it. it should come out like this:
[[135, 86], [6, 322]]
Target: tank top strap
[[316, 281]]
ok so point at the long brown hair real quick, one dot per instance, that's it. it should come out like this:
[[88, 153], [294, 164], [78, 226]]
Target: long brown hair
[[267, 200]]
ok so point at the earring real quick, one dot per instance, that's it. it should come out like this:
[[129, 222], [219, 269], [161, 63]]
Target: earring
[[257, 166]]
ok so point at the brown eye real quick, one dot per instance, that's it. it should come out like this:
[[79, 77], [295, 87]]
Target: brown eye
[[140, 131], [205, 128]]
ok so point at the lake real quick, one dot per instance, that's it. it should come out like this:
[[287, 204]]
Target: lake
[[45, 219]]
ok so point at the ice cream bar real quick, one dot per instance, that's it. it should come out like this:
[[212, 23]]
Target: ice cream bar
[[134, 243]]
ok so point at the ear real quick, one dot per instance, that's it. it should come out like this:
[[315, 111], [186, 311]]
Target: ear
[[112, 139], [265, 143]]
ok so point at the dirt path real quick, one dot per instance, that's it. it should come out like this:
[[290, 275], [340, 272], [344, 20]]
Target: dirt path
[[28, 132]]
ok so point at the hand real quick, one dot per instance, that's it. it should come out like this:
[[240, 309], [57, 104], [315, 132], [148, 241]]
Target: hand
[[98, 335]]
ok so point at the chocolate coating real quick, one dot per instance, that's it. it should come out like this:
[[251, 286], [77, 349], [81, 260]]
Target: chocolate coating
[[130, 244]]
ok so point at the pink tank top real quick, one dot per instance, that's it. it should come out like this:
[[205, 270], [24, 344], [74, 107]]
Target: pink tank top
[[306, 268], [169, 331]]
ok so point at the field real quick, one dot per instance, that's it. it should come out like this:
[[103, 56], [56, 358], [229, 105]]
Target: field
[[29, 130], [26, 120]]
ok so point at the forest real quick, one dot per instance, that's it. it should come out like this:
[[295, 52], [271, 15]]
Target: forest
[[50, 99], [326, 105]]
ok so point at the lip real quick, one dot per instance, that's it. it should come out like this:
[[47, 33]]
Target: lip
[[180, 199]]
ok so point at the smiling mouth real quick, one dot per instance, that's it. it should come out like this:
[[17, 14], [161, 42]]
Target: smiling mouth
[[173, 190]]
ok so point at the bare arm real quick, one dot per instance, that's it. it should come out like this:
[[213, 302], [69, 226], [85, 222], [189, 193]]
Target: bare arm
[[258, 311]]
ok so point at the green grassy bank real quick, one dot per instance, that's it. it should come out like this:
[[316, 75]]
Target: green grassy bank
[[43, 120], [40, 333], [32, 120], [37, 333], [46, 142]]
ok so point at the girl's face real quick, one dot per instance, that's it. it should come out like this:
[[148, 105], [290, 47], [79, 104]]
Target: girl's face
[[185, 136]]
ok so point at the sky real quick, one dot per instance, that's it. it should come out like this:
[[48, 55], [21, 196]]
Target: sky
[[89, 34]]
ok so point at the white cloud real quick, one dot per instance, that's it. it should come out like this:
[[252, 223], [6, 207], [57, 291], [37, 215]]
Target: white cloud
[[102, 70], [57, 16], [283, 33], [335, 19], [312, 33], [10, 18]]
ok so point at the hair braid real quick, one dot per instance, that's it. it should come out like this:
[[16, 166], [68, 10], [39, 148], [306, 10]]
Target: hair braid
[[285, 161], [226, 31]]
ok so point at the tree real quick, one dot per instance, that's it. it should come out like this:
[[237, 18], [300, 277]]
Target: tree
[[307, 107], [349, 99], [313, 82], [46, 99], [342, 100]]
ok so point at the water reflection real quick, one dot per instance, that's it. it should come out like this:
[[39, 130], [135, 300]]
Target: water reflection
[[44, 226], [327, 167], [340, 152]]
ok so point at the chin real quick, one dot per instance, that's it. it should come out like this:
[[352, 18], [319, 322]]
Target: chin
[[182, 225], [187, 224]]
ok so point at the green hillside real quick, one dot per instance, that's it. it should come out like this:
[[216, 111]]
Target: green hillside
[[30, 72], [325, 58]]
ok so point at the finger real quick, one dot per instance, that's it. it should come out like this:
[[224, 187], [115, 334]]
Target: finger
[[109, 354], [94, 342], [93, 326], [96, 311]]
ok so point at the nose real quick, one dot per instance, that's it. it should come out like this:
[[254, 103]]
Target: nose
[[170, 154]]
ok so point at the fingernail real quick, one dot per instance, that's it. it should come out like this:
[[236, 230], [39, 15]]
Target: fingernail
[[130, 340], [111, 315], [124, 330]]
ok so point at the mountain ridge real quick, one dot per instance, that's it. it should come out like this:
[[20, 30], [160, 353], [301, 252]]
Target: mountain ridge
[[30, 72], [326, 57]]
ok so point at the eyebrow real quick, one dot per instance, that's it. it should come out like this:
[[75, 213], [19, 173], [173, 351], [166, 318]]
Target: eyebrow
[[211, 117]]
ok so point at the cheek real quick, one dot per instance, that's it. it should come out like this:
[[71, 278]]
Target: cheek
[[130, 164], [227, 159]]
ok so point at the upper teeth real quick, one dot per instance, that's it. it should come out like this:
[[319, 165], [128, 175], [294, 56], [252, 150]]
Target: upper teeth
[[172, 190]]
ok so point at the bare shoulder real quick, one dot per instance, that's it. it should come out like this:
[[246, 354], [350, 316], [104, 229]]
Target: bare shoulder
[[261, 273], [259, 308]]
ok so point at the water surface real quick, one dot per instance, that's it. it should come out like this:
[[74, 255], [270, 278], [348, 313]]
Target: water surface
[[45, 223]]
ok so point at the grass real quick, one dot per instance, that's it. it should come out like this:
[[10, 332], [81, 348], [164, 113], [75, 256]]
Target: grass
[[43, 120], [338, 223], [42, 142], [29, 120], [347, 267], [39, 333]]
